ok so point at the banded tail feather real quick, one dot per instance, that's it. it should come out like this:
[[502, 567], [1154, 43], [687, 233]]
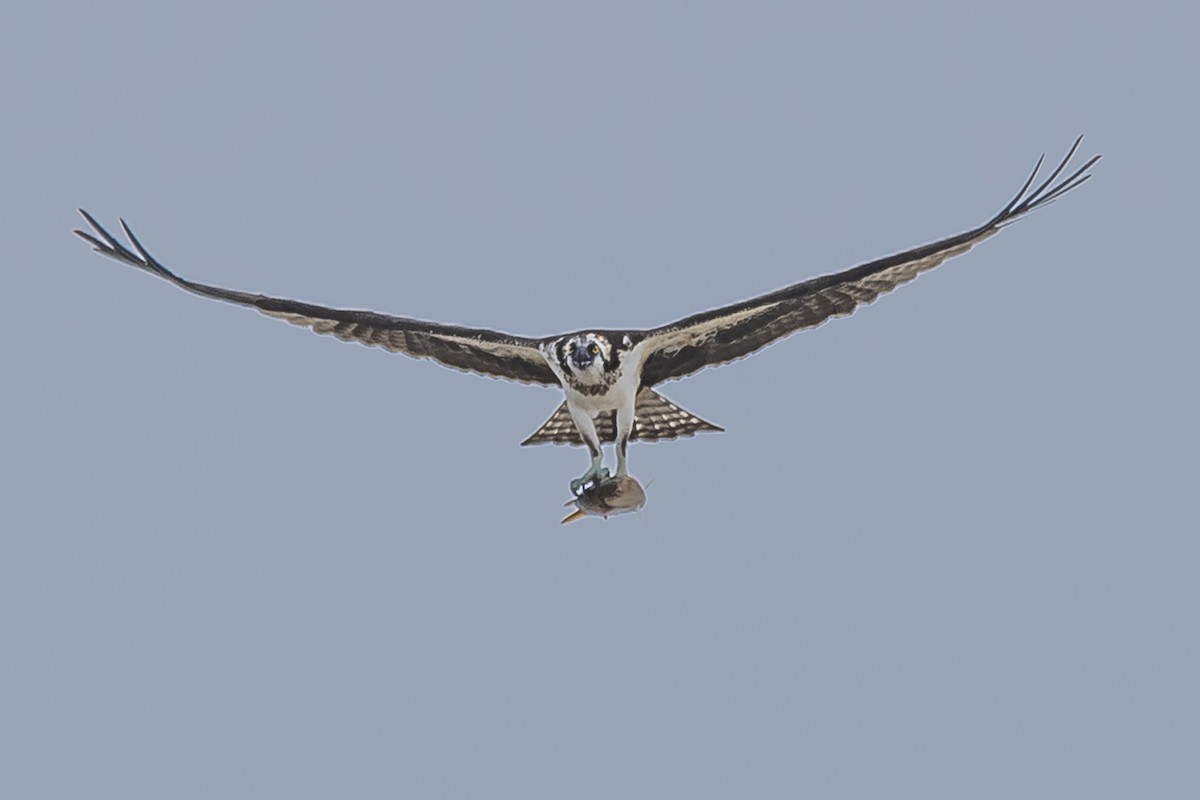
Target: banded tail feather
[[656, 418]]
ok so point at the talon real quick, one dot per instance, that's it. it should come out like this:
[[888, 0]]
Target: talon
[[597, 473]]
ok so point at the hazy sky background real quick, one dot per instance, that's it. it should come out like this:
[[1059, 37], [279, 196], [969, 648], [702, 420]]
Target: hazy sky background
[[947, 547]]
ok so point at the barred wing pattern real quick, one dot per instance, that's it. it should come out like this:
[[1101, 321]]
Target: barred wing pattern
[[485, 352], [735, 331]]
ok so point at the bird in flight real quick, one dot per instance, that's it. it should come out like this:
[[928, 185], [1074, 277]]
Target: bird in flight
[[609, 376]]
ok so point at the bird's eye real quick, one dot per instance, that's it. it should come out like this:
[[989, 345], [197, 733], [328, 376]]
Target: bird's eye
[[570, 348], [593, 348]]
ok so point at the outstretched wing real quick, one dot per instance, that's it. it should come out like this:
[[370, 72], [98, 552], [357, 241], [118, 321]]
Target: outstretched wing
[[724, 334], [497, 355]]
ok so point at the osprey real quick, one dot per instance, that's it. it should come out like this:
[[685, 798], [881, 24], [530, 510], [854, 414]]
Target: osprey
[[608, 375]]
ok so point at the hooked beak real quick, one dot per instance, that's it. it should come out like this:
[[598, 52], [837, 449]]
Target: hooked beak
[[581, 358]]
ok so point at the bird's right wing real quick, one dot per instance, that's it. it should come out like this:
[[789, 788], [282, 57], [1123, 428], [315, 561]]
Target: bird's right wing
[[497, 355]]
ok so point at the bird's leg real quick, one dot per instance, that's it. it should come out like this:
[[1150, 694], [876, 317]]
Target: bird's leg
[[587, 429], [625, 420]]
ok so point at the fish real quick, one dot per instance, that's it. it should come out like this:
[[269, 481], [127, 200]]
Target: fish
[[605, 496]]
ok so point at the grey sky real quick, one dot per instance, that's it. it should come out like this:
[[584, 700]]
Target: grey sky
[[947, 547]]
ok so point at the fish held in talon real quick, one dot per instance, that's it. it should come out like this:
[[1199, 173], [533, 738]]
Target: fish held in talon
[[606, 496]]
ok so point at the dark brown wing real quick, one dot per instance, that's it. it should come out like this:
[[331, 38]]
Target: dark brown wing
[[497, 355], [724, 334]]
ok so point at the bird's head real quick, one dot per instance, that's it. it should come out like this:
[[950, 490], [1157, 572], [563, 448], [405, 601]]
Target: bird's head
[[591, 356], [586, 353]]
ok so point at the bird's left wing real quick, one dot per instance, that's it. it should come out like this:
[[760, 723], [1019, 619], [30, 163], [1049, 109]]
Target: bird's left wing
[[728, 333], [490, 353]]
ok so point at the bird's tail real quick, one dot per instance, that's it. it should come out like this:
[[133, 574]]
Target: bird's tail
[[656, 418]]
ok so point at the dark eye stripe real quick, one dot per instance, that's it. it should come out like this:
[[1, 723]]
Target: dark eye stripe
[[563, 354]]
